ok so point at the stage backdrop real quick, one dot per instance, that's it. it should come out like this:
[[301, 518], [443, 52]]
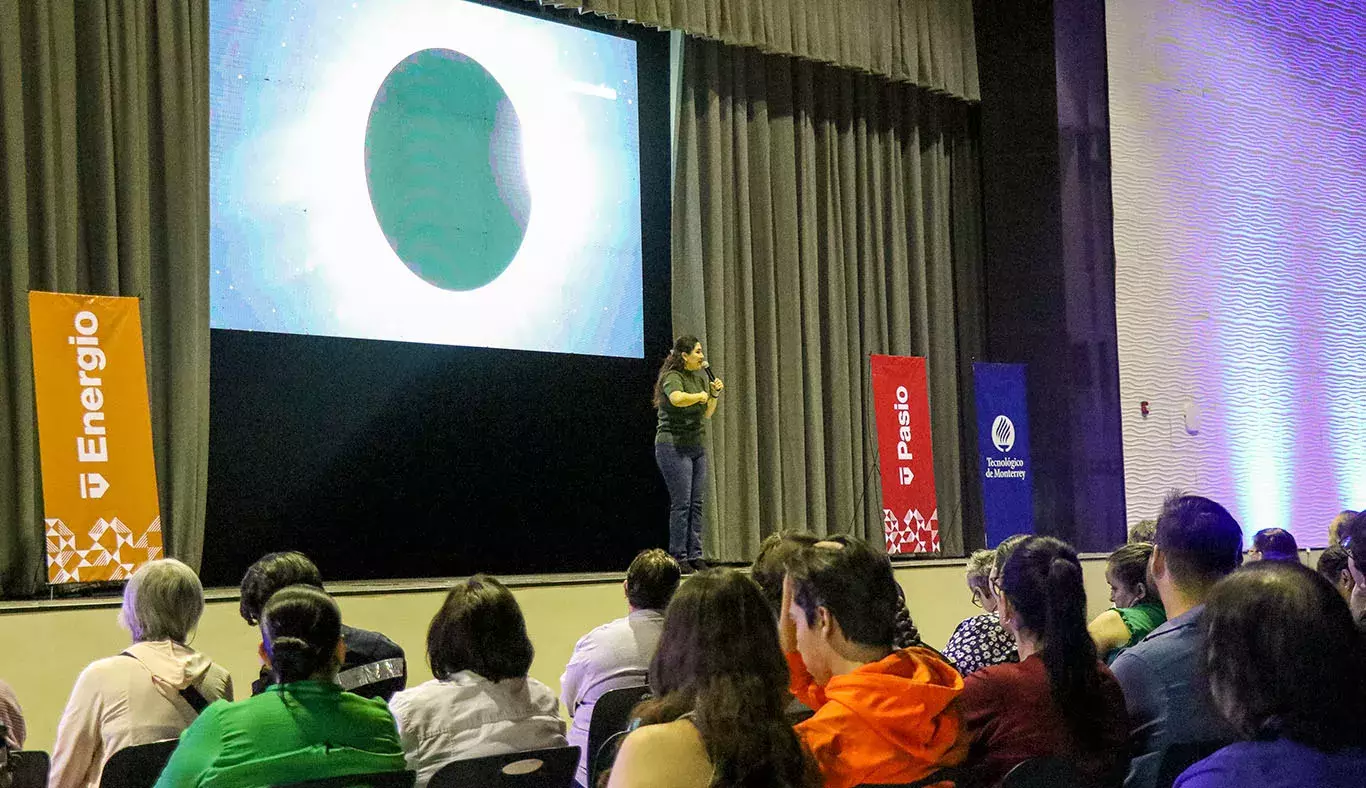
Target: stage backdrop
[[910, 516], [95, 436]]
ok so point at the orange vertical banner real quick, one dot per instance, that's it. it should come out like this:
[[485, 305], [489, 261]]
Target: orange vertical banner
[[94, 436]]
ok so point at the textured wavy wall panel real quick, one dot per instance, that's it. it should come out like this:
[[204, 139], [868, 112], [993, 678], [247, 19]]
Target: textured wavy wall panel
[[1238, 135]]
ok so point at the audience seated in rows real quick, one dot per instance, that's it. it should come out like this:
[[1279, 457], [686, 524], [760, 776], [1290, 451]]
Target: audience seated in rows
[[482, 701], [979, 641], [1060, 700], [617, 654], [1283, 661], [374, 666], [1274, 544], [303, 726], [151, 691], [1333, 566], [1198, 543], [1137, 610], [881, 715], [1142, 531], [717, 717], [12, 717]]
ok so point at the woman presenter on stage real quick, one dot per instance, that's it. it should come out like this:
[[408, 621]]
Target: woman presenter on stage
[[685, 399]]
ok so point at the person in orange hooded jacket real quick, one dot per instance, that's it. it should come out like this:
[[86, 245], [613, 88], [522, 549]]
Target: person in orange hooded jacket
[[881, 715]]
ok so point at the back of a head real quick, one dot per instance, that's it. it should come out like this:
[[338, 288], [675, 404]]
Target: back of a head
[[1042, 581], [1005, 549], [1200, 541], [1283, 657], [271, 573], [651, 580], [979, 565], [770, 566], [1332, 563], [162, 601], [301, 627], [479, 628], [855, 583], [1142, 531], [719, 658], [1338, 527], [1130, 564], [1276, 544]]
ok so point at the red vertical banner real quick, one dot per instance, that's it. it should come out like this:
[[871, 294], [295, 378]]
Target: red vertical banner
[[910, 516]]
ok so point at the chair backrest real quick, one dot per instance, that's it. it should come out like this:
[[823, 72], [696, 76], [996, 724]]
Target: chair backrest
[[138, 766], [611, 715], [552, 768], [1042, 773], [605, 757], [1177, 758], [950, 775], [374, 780], [28, 769]]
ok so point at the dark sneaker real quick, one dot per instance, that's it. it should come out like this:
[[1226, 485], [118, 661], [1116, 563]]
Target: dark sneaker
[[684, 566], [699, 565]]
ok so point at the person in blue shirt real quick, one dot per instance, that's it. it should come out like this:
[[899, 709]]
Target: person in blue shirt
[[1198, 544], [1283, 661]]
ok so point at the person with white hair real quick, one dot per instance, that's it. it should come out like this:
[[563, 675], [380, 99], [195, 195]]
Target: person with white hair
[[152, 690]]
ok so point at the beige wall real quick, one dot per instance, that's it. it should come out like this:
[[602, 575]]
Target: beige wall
[[47, 647]]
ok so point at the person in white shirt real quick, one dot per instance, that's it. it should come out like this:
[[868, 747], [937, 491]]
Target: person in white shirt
[[150, 692], [482, 701], [617, 654]]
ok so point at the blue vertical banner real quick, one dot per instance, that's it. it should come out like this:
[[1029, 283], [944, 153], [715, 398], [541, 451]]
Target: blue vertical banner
[[1003, 450]]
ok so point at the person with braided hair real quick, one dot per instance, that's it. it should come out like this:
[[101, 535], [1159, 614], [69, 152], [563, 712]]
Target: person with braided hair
[[302, 727]]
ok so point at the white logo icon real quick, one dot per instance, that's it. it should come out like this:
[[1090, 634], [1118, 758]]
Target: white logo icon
[[1003, 433]]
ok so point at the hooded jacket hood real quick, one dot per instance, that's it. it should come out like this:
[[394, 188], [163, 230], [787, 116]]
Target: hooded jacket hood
[[173, 666]]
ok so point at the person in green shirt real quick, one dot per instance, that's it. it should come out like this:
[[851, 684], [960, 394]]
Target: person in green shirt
[[685, 399], [304, 726], [1137, 609]]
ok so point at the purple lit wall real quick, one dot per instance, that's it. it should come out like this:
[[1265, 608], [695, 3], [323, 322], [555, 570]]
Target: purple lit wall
[[1238, 136]]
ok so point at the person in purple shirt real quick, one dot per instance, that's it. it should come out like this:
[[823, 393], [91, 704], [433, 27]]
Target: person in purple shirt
[[1283, 661]]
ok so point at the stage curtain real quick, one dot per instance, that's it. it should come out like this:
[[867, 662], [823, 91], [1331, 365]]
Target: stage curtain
[[104, 190], [930, 43], [821, 215]]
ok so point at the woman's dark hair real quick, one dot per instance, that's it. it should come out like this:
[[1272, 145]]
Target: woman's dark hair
[[673, 363], [271, 573], [1130, 565], [719, 658], [1042, 580], [1332, 563], [479, 628], [300, 627], [1283, 657]]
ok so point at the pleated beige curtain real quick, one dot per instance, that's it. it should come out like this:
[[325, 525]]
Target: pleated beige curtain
[[104, 190], [930, 43], [820, 215]]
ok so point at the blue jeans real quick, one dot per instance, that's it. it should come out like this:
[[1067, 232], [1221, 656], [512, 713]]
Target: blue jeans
[[685, 474]]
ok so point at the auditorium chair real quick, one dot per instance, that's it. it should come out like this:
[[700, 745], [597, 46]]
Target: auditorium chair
[[138, 766], [551, 768], [373, 780], [1179, 757], [28, 769], [611, 715], [1042, 773], [949, 774]]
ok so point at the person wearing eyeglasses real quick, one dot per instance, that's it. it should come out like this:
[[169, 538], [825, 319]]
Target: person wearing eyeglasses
[[980, 640]]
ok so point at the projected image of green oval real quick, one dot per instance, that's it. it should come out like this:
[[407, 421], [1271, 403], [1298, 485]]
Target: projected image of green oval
[[443, 161]]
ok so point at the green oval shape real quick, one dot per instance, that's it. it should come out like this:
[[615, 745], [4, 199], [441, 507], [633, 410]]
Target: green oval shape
[[443, 163]]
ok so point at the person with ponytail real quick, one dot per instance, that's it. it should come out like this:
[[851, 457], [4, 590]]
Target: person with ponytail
[[720, 692], [685, 400], [304, 726], [1060, 700]]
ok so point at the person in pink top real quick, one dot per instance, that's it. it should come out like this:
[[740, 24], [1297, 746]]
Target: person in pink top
[[151, 691]]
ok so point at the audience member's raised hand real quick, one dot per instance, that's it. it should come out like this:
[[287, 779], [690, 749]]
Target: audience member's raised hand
[[787, 626]]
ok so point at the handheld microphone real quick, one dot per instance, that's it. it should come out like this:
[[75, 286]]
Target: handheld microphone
[[711, 377]]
